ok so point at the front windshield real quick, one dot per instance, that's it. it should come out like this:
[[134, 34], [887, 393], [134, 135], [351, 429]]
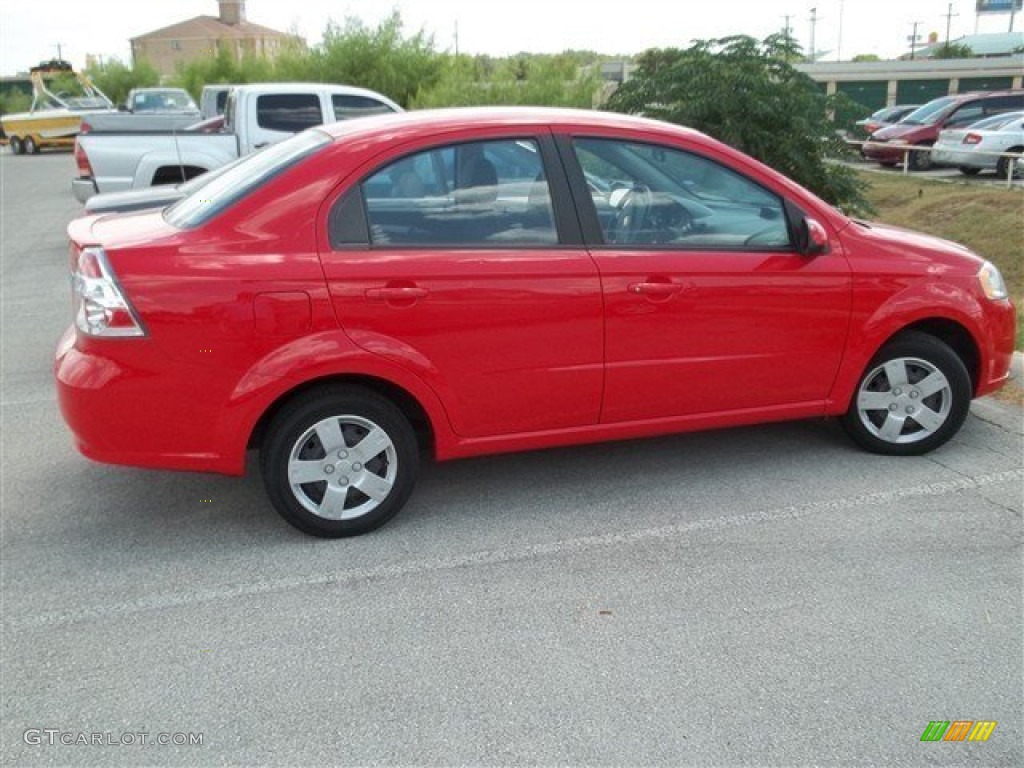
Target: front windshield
[[234, 183], [930, 113], [170, 99]]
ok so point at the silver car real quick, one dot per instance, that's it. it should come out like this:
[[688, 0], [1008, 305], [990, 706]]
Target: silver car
[[981, 145]]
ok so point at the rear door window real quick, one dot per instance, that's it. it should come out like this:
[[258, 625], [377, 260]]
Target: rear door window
[[483, 194]]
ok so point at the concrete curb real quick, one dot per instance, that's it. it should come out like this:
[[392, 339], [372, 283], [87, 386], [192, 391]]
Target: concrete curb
[[1017, 366]]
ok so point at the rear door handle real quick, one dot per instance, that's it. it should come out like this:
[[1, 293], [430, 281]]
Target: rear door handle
[[408, 293], [655, 289]]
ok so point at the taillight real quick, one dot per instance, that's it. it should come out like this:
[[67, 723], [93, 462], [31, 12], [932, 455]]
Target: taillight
[[84, 127], [972, 138], [82, 160], [100, 307]]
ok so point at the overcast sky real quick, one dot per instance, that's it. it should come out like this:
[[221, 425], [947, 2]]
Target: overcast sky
[[30, 32]]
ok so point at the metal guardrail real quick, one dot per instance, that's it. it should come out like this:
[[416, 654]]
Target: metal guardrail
[[908, 149]]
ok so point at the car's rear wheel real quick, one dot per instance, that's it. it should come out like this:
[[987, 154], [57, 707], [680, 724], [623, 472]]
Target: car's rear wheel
[[913, 397], [339, 462], [16, 145], [31, 148], [968, 171]]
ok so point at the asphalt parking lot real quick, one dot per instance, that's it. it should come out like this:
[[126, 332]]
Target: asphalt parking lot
[[767, 595]]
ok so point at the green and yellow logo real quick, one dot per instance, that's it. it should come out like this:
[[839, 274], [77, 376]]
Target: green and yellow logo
[[958, 730]]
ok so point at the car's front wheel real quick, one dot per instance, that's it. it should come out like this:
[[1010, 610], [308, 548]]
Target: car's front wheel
[[913, 397], [920, 159], [339, 462]]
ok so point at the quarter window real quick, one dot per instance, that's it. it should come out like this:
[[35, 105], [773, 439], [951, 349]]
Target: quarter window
[[288, 112], [488, 194], [653, 195], [347, 106]]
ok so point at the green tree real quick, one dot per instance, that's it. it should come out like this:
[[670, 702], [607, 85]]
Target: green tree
[[747, 94], [14, 101], [866, 57], [952, 51], [116, 79], [381, 58], [536, 80]]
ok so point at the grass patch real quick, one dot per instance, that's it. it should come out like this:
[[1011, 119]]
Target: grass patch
[[988, 220]]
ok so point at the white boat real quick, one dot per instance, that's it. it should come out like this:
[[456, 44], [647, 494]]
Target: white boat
[[54, 119]]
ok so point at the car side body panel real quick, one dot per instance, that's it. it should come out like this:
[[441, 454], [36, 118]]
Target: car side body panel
[[252, 305]]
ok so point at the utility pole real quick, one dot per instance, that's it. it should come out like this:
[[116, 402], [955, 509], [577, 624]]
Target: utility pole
[[456, 38], [913, 40], [60, 56], [839, 45], [814, 24], [786, 29], [949, 19]]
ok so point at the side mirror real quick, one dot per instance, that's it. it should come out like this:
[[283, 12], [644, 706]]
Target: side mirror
[[812, 237]]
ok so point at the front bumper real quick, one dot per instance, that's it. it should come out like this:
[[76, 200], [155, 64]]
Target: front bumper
[[997, 354], [886, 153]]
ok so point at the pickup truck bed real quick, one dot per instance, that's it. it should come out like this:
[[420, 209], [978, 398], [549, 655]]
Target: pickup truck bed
[[139, 160]]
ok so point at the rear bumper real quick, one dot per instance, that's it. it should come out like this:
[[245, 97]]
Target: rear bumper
[[124, 412], [83, 188]]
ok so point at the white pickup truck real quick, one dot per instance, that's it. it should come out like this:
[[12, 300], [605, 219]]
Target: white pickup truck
[[256, 115]]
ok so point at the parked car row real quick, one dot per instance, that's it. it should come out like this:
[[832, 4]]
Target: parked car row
[[455, 283], [919, 130]]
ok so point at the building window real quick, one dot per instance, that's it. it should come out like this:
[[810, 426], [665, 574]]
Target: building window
[[176, 45]]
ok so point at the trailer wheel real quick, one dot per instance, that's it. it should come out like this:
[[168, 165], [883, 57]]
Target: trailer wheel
[[31, 148], [17, 148]]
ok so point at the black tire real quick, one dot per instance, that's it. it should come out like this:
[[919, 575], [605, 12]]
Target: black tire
[[920, 356], [920, 161], [1003, 165], [356, 413], [968, 171], [888, 164], [31, 148], [17, 148]]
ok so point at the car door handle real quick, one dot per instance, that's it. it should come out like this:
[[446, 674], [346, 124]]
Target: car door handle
[[655, 289], [407, 293]]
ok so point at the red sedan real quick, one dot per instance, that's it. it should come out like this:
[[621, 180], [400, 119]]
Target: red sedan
[[466, 282]]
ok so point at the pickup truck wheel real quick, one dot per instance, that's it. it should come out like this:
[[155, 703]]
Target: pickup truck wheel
[[17, 148], [340, 462], [913, 397], [31, 148]]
